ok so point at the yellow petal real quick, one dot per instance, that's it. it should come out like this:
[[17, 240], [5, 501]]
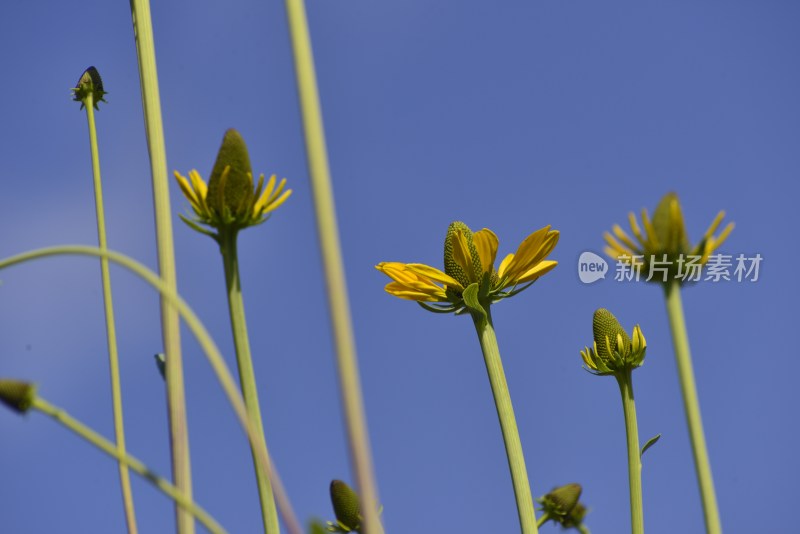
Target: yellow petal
[[486, 242], [526, 250], [543, 267], [461, 254], [652, 242], [637, 232], [501, 271], [434, 274], [400, 291], [624, 237]]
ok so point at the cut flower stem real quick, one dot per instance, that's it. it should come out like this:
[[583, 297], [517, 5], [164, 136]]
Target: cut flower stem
[[624, 379]]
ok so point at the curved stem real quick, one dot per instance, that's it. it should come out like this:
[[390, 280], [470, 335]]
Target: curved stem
[[170, 323], [111, 329], [210, 349], [508, 423], [127, 460], [691, 405], [544, 518], [247, 377], [634, 456], [339, 308]]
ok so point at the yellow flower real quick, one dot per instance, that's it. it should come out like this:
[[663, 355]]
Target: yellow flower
[[469, 259], [664, 240], [228, 201]]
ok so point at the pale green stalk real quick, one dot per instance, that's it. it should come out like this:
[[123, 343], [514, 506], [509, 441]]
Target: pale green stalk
[[683, 358], [624, 379], [508, 423], [127, 460], [544, 518], [247, 377], [111, 330], [170, 325], [327, 229], [210, 349]]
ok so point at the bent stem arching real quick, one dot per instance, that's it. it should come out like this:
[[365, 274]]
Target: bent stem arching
[[691, 405], [508, 423], [208, 345]]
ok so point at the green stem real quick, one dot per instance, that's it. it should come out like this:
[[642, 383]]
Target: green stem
[[625, 382], [544, 518], [508, 423], [583, 529], [327, 229], [210, 349], [683, 358], [170, 324], [111, 330], [247, 378], [180, 498]]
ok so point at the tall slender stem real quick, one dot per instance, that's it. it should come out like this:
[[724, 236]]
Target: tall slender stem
[[691, 405], [634, 455], [508, 423], [111, 330], [180, 498], [247, 378], [327, 229], [170, 325]]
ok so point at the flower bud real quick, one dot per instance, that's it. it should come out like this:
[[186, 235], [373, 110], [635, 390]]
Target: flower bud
[[345, 505], [17, 395], [230, 187], [613, 350]]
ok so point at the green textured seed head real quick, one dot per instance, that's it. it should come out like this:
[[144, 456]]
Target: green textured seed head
[[605, 325], [472, 273], [345, 505], [17, 395], [668, 227], [234, 194]]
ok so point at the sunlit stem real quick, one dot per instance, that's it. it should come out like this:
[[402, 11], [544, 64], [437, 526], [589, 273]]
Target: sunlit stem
[[691, 405], [508, 423], [180, 498], [624, 379], [170, 325], [210, 349], [544, 518], [111, 330], [327, 229], [247, 378]]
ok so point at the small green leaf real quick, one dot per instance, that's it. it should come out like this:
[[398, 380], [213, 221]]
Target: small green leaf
[[650, 442], [471, 300]]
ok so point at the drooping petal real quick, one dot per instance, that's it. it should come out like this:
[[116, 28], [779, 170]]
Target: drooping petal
[[399, 290], [624, 237], [543, 267], [486, 242], [461, 254], [411, 285], [434, 274]]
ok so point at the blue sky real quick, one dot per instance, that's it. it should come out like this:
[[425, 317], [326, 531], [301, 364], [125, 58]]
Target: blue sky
[[509, 116]]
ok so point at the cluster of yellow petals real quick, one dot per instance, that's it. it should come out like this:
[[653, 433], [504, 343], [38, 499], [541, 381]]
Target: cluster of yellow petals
[[416, 281]]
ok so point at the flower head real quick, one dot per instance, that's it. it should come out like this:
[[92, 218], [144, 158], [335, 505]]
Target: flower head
[[89, 84], [469, 260], [561, 505], [613, 350], [228, 202], [664, 238]]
